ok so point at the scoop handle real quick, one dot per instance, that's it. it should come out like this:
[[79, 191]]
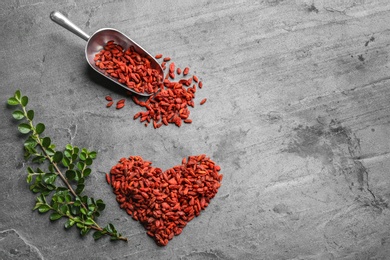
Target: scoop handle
[[62, 20]]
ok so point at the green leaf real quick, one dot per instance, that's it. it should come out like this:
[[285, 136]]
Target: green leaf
[[46, 142], [55, 204], [81, 181], [18, 115], [70, 174], [68, 198], [84, 230], [49, 178], [54, 216], [75, 210], [110, 228], [24, 128], [80, 166], [71, 166], [44, 208], [24, 101], [90, 202], [62, 189], [83, 156], [83, 211], [38, 159], [50, 151], [88, 161], [69, 147], [84, 199], [50, 187], [37, 205], [68, 154], [76, 150], [42, 198], [91, 208], [57, 157], [30, 142], [97, 235], [92, 154], [51, 168], [89, 222], [80, 188], [80, 225], [77, 202], [12, 101], [40, 128], [65, 161], [69, 223], [17, 94], [30, 114], [64, 209], [100, 204], [87, 172], [29, 178], [78, 175]]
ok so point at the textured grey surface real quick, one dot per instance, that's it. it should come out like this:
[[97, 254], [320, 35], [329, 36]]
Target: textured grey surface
[[298, 118]]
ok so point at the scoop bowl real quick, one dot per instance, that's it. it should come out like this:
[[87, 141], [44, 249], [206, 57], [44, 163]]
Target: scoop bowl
[[98, 40]]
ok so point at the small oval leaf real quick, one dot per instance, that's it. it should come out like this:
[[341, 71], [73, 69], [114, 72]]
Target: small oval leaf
[[43, 208], [30, 114], [92, 155], [65, 161], [40, 128], [70, 174], [50, 151], [24, 128], [76, 150], [87, 172], [88, 161], [83, 156], [80, 166], [97, 235], [80, 188], [46, 142], [69, 223], [67, 154], [64, 209], [18, 115], [18, 94], [30, 142], [49, 178], [57, 157], [24, 101], [89, 222], [13, 101], [55, 216]]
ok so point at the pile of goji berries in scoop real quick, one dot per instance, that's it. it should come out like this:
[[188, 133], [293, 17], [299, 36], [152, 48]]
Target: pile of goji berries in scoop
[[170, 100], [164, 202], [129, 68]]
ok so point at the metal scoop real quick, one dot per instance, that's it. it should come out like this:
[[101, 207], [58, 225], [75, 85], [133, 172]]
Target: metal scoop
[[97, 41]]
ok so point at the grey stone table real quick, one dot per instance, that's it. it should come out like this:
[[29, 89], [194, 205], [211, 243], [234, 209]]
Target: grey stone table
[[298, 118]]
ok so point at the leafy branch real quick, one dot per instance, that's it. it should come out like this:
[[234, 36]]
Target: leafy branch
[[72, 166]]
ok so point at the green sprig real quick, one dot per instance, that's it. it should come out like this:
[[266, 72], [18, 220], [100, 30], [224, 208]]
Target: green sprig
[[66, 201]]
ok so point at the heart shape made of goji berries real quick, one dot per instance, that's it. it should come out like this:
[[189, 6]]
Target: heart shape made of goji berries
[[164, 202]]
